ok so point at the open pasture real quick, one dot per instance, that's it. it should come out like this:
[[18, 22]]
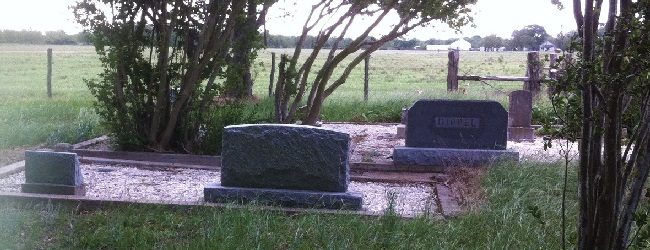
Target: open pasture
[[397, 78], [415, 74]]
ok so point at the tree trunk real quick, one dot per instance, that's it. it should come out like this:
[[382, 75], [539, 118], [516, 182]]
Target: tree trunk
[[240, 81]]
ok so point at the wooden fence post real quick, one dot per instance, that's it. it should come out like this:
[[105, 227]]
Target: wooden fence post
[[452, 70], [49, 73], [533, 71], [366, 75], [272, 74]]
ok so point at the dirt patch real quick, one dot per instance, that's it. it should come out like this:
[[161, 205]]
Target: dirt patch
[[9, 156], [372, 143], [465, 184]]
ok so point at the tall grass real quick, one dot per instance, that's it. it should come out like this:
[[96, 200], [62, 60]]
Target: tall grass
[[27, 116], [506, 221]]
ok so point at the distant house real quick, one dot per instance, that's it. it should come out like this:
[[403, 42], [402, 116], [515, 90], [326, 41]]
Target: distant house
[[460, 44], [438, 47], [547, 46]]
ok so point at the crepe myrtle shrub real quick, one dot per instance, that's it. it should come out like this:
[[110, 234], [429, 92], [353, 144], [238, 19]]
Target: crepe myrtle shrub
[[609, 89], [302, 87], [164, 62]]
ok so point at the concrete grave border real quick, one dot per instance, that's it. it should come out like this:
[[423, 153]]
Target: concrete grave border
[[359, 171]]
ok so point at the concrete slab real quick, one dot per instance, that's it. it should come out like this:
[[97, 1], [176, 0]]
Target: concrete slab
[[12, 169], [214, 192], [448, 205], [449, 157], [519, 134], [40, 188]]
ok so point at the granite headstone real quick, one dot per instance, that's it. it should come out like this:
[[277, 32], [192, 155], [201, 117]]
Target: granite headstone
[[288, 165], [452, 133], [285, 157], [461, 124], [52, 173]]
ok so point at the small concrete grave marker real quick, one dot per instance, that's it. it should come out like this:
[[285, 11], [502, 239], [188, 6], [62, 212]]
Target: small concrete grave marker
[[48, 172], [520, 116], [454, 132], [401, 127], [289, 165]]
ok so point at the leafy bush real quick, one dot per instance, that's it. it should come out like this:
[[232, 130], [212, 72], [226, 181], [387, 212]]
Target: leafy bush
[[85, 127], [385, 111], [543, 115], [221, 116]]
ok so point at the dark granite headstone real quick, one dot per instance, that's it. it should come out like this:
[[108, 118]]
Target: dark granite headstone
[[285, 157], [460, 124], [52, 173], [48, 167], [289, 165]]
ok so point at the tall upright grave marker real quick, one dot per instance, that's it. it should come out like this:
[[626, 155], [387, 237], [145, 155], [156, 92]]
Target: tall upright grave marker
[[454, 132]]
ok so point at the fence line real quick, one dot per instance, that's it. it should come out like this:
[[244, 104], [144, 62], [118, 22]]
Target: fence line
[[532, 80]]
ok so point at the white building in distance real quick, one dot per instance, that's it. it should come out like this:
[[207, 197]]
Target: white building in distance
[[460, 44], [438, 47]]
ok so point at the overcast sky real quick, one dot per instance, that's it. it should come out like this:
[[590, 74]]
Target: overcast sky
[[498, 17]]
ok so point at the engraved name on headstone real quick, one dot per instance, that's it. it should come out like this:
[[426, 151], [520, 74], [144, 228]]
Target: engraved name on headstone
[[457, 122]]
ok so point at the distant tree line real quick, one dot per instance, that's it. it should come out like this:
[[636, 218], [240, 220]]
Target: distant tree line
[[530, 37], [36, 37]]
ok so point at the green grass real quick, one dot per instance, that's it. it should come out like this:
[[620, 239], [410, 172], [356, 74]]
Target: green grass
[[412, 75], [27, 116], [397, 79], [505, 222]]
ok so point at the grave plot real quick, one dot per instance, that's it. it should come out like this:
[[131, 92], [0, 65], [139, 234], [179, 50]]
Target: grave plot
[[165, 178], [141, 181]]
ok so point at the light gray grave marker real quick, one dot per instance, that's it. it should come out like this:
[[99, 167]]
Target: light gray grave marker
[[520, 116]]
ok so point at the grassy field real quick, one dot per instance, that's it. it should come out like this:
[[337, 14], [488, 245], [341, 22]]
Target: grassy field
[[412, 75], [397, 79], [521, 208]]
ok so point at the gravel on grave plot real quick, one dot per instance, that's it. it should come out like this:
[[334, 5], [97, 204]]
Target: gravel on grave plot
[[186, 185], [373, 143]]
